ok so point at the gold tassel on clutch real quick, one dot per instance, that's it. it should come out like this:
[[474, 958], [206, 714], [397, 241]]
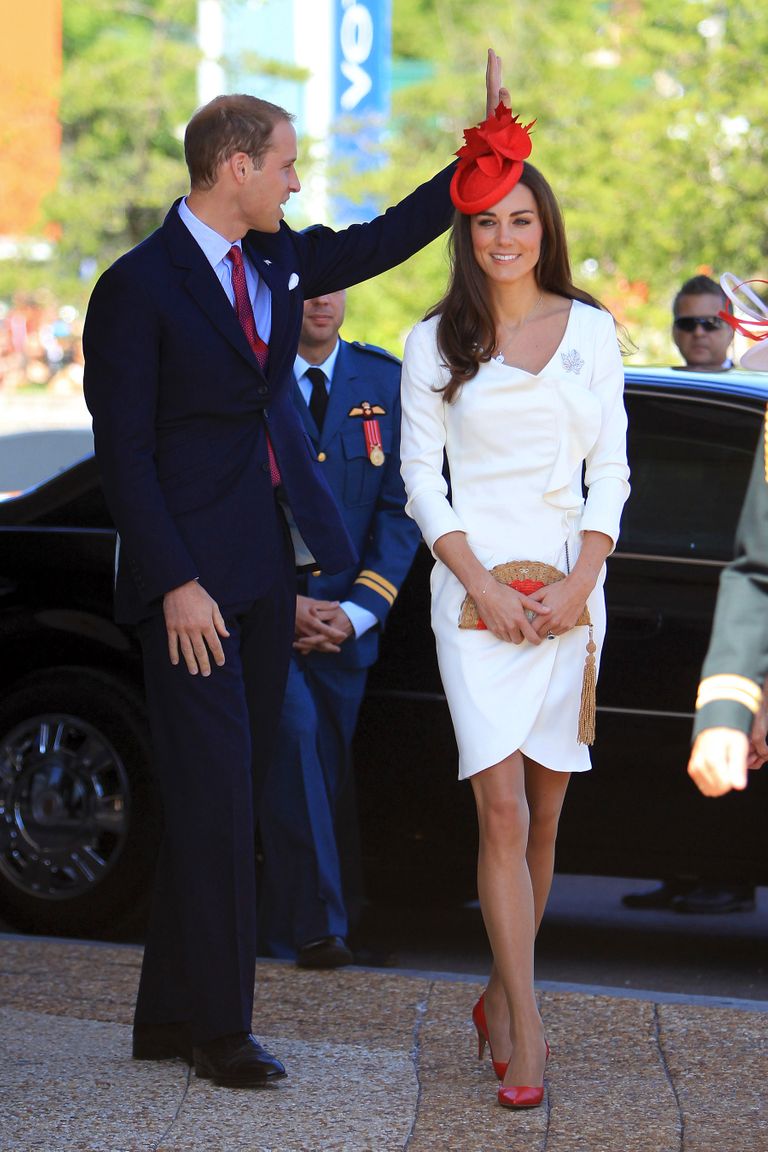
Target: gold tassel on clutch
[[588, 708]]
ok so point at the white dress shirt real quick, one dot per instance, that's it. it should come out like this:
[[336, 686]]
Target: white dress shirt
[[215, 248]]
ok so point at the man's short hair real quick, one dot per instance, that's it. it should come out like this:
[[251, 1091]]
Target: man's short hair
[[224, 126], [699, 286]]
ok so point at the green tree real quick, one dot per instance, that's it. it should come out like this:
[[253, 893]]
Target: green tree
[[127, 91], [651, 126]]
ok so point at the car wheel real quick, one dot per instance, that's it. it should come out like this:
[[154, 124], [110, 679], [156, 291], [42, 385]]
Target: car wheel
[[78, 814]]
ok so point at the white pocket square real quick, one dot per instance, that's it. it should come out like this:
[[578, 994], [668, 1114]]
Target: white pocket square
[[292, 281]]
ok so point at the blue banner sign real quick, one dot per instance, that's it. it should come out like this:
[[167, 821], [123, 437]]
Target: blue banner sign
[[362, 38]]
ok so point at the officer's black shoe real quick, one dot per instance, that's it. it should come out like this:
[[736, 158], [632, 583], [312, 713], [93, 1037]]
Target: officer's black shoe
[[327, 952], [662, 897], [713, 899]]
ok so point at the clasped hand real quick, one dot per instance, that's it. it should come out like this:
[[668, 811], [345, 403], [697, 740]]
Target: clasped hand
[[557, 607], [565, 600], [321, 625]]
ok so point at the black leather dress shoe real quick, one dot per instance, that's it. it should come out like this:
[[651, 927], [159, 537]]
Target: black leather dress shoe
[[162, 1042], [714, 899], [327, 952], [662, 897], [237, 1061]]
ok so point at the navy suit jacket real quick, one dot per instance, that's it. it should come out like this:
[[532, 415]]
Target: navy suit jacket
[[371, 499], [180, 404]]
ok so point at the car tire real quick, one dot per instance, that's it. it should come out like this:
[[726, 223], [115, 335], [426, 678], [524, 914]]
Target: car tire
[[79, 817]]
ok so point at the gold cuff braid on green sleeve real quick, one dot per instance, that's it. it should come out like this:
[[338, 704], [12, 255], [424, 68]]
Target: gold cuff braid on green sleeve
[[729, 687]]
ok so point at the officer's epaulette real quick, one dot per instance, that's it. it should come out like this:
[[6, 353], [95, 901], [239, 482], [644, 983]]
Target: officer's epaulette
[[375, 350]]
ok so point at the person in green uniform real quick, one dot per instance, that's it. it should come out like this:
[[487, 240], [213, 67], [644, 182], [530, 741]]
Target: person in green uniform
[[730, 725]]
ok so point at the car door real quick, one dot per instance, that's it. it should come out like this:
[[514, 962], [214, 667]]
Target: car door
[[638, 813]]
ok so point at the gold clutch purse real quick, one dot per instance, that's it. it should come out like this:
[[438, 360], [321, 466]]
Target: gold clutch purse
[[527, 576]]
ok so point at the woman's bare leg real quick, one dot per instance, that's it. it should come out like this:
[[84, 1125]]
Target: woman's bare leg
[[544, 791], [507, 903]]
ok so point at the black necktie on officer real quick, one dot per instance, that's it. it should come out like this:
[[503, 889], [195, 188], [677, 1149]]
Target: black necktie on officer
[[318, 401]]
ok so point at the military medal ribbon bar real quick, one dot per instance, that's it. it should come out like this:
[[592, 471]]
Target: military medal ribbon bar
[[373, 441], [371, 430]]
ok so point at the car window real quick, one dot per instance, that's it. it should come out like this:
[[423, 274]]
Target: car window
[[690, 461], [29, 458]]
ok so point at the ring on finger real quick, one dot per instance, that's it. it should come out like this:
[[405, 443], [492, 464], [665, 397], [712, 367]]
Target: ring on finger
[[551, 636], [530, 615]]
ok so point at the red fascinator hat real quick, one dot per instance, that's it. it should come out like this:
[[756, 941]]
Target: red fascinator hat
[[490, 161], [755, 326]]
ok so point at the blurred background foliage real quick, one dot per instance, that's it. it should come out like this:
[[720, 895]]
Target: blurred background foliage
[[651, 124]]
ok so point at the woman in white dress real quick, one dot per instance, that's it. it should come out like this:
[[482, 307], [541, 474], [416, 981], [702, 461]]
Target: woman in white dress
[[516, 378]]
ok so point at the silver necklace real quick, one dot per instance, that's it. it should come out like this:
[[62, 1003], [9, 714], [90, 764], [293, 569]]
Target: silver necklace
[[499, 357]]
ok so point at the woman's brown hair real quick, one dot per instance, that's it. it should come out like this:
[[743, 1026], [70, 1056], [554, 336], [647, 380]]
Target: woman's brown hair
[[466, 332]]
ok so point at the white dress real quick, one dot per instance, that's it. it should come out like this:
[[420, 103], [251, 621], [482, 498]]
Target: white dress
[[517, 445]]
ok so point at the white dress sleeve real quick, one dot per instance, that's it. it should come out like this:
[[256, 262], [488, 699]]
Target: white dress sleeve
[[423, 438], [606, 474]]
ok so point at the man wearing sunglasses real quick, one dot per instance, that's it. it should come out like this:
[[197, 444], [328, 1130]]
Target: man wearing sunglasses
[[701, 336]]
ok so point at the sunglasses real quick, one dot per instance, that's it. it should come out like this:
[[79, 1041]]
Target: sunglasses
[[691, 323]]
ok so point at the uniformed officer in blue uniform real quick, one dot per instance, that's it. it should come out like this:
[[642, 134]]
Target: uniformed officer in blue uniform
[[348, 395]]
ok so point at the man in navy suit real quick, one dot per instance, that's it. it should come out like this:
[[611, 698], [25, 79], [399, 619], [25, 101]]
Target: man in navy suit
[[348, 396], [189, 344]]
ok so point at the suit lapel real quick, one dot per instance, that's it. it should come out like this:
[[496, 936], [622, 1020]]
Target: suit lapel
[[277, 276], [306, 416], [276, 266], [340, 399], [202, 283], [343, 395]]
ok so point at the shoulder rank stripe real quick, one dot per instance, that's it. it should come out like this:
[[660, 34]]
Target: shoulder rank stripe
[[378, 584], [736, 689]]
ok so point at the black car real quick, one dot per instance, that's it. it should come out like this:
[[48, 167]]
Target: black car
[[78, 814]]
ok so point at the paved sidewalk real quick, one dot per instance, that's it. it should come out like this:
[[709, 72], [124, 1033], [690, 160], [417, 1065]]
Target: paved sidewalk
[[378, 1061]]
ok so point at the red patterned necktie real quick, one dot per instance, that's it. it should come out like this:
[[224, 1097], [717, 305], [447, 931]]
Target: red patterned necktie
[[258, 347]]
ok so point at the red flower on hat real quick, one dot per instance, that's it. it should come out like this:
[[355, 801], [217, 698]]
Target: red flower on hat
[[490, 161], [501, 137]]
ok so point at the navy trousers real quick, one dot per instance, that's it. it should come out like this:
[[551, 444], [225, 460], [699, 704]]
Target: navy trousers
[[213, 740]]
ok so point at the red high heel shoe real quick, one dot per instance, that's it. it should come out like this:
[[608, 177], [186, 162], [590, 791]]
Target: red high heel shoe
[[523, 1095], [520, 1096], [481, 1026]]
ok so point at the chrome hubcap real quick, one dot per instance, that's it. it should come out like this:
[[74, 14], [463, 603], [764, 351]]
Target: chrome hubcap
[[64, 806]]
